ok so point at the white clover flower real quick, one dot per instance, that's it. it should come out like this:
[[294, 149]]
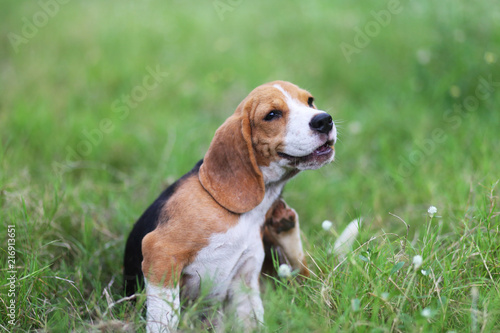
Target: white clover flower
[[426, 313], [326, 225], [432, 210], [284, 271], [417, 261]]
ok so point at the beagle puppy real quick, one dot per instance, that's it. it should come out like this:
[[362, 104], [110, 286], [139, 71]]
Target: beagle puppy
[[206, 231]]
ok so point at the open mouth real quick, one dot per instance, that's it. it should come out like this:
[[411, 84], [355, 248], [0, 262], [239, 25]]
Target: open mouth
[[325, 149]]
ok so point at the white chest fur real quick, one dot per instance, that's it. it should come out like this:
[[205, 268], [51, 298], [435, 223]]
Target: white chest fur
[[229, 257]]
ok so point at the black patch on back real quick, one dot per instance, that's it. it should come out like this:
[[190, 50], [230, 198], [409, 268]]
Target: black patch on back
[[132, 270]]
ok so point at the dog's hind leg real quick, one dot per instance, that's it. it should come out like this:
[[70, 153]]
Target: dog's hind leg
[[281, 238]]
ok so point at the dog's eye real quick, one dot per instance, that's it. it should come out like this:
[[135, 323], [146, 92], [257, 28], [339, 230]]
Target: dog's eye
[[310, 102], [274, 114]]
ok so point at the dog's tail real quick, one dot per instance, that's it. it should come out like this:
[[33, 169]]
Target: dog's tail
[[133, 279], [343, 244]]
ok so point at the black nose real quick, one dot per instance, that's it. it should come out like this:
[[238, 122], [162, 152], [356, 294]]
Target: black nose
[[322, 123]]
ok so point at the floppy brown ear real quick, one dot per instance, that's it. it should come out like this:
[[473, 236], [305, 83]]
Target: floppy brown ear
[[229, 171]]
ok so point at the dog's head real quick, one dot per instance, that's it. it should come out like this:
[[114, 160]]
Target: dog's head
[[275, 132]]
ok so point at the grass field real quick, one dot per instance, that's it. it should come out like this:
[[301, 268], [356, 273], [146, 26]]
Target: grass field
[[104, 103]]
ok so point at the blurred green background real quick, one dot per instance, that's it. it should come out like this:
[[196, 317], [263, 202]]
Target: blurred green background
[[78, 165], [387, 99]]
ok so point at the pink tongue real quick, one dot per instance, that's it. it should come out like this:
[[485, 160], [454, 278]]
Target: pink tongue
[[323, 149]]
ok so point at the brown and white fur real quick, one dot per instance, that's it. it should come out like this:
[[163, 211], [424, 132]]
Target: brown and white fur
[[207, 229]]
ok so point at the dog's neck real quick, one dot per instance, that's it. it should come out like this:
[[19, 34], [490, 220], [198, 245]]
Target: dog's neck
[[275, 179], [275, 174], [273, 192]]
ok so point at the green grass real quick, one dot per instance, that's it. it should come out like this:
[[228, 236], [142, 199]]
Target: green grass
[[72, 214]]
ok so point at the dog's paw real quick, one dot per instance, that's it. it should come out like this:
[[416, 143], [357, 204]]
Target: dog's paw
[[282, 218]]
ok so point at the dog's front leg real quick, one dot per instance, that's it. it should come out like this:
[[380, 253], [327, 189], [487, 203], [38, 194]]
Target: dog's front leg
[[162, 308], [161, 276], [244, 297]]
